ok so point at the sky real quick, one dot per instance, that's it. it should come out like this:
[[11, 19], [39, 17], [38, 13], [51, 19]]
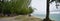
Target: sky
[[40, 6]]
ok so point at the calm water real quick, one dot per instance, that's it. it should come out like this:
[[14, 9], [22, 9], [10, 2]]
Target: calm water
[[55, 17]]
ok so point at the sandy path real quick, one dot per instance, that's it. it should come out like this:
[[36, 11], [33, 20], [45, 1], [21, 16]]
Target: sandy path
[[13, 19]]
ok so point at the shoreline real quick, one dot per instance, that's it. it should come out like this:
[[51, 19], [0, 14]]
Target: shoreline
[[21, 18]]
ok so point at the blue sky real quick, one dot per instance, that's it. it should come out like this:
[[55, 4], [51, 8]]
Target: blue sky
[[40, 5]]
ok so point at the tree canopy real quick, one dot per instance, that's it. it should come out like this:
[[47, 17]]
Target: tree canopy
[[55, 0], [15, 6]]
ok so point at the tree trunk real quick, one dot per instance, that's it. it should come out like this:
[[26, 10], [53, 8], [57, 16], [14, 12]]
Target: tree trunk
[[47, 12]]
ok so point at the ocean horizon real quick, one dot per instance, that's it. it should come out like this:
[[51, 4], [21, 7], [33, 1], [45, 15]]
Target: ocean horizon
[[55, 17]]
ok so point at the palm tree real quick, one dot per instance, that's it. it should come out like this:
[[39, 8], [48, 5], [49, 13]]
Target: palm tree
[[56, 2], [47, 12]]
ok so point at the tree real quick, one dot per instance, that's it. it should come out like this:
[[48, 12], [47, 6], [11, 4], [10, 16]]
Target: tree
[[23, 10], [15, 6], [30, 11], [0, 6], [47, 12], [56, 2]]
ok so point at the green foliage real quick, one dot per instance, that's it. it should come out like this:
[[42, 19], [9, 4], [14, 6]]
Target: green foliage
[[25, 11], [16, 6], [31, 10]]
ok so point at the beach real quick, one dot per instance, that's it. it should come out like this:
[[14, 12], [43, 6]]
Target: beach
[[20, 18]]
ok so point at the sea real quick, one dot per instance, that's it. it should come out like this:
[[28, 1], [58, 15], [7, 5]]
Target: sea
[[54, 17]]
